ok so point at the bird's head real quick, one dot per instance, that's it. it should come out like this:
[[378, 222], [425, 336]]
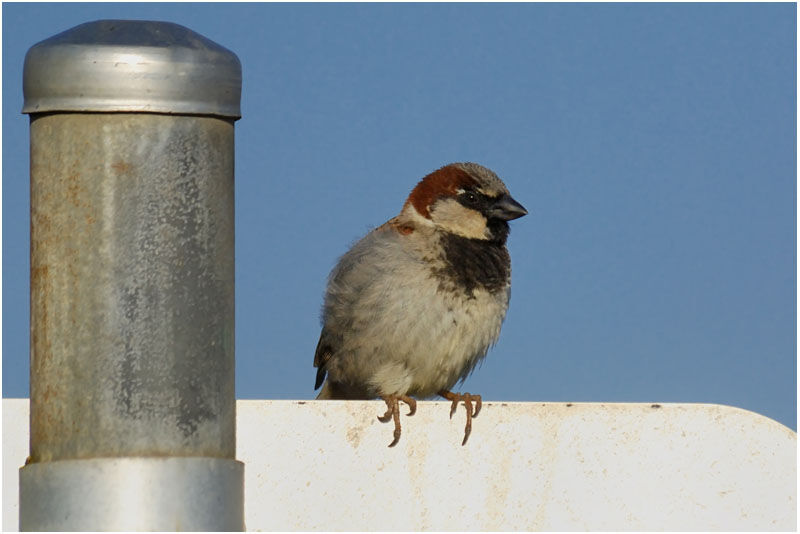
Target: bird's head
[[465, 199]]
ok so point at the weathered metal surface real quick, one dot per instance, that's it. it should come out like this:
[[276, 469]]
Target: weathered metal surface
[[132, 65], [132, 286], [124, 494], [133, 412]]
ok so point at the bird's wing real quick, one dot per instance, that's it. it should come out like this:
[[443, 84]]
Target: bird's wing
[[355, 275], [321, 356]]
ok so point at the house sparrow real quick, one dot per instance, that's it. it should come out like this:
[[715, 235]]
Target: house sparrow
[[414, 305]]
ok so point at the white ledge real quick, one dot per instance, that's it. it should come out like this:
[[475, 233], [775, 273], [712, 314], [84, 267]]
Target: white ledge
[[325, 465]]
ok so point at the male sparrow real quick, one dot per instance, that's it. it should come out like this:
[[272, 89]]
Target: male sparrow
[[414, 305]]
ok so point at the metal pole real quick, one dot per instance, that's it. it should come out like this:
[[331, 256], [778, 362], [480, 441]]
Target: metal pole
[[132, 281]]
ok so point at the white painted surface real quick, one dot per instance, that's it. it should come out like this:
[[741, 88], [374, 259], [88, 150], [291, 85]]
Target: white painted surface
[[15, 450], [314, 465]]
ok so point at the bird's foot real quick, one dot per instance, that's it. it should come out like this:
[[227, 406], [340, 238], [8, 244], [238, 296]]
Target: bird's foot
[[393, 412], [468, 399]]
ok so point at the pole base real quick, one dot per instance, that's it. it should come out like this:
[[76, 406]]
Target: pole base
[[140, 493]]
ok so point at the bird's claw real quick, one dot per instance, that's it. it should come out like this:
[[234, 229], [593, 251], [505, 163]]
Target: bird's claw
[[393, 412], [467, 399], [453, 406]]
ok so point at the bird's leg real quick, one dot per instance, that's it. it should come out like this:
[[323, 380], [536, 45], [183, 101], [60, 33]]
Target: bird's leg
[[393, 412], [468, 399]]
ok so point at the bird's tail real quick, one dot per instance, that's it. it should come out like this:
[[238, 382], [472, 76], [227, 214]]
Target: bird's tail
[[325, 393]]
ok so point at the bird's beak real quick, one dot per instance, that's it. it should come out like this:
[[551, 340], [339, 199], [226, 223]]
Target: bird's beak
[[507, 208]]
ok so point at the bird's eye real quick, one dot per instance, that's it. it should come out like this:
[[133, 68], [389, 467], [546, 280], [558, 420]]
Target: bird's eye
[[470, 197]]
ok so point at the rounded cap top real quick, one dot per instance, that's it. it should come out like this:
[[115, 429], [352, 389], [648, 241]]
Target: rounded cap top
[[132, 65]]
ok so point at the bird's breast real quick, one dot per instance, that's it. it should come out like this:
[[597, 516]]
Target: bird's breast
[[414, 321]]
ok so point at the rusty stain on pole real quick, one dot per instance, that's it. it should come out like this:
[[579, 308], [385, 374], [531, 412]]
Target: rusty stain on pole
[[132, 252]]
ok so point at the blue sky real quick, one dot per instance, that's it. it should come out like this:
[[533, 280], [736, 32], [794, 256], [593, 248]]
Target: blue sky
[[654, 146]]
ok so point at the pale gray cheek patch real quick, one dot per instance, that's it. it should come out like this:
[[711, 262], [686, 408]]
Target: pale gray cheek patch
[[451, 216]]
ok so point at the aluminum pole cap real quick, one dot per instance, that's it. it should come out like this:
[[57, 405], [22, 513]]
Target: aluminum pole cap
[[132, 66]]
